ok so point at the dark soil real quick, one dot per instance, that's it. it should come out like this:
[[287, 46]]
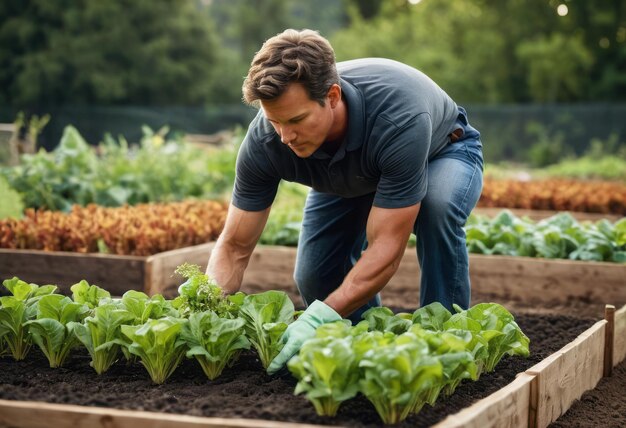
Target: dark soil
[[245, 391]]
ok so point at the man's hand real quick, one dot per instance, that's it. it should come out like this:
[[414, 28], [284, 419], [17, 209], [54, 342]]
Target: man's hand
[[300, 330]]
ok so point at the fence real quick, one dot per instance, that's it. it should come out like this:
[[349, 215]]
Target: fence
[[508, 131]]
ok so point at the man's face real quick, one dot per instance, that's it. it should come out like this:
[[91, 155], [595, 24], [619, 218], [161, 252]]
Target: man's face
[[303, 124]]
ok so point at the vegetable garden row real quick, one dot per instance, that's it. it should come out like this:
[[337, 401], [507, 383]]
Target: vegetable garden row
[[400, 362], [161, 169], [148, 229], [538, 396]]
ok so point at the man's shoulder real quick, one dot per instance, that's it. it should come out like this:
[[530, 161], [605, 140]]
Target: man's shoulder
[[372, 67], [391, 91]]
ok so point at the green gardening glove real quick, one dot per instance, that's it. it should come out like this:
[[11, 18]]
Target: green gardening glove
[[301, 330]]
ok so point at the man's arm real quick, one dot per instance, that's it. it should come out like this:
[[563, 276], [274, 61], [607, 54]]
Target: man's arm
[[388, 232], [234, 246]]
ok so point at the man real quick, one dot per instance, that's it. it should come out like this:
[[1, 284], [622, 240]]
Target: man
[[386, 153]]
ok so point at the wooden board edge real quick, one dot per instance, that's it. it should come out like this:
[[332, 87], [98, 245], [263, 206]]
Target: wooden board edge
[[183, 250], [619, 336], [71, 254], [32, 414], [507, 407], [541, 365], [609, 339]]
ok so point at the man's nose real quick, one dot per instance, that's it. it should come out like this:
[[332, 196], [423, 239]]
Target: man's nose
[[287, 135]]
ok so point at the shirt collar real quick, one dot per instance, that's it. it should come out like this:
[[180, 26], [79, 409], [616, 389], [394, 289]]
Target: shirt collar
[[356, 121], [356, 115]]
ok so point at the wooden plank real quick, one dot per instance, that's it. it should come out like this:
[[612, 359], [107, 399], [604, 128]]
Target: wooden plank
[[505, 408], [160, 276], [562, 378], [609, 339], [271, 268], [537, 215], [501, 276], [112, 272], [25, 414], [553, 280], [619, 335]]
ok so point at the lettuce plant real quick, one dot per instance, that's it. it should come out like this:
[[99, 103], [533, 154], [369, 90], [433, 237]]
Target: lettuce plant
[[456, 360], [52, 330], [396, 377], [158, 345], [267, 316], [144, 307], [17, 309], [87, 294], [470, 332], [214, 341], [383, 319], [341, 328], [100, 334], [327, 370], [200, 293], [559, 236], [432, 316], [497, 327]]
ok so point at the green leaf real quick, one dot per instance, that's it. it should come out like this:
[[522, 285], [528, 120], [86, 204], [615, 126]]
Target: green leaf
[[432, 316], [215, 342], [327, 371], [89, 295], [157, 343], [266, 317]]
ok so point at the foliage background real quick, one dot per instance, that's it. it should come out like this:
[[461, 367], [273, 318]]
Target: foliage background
[[528, 74]]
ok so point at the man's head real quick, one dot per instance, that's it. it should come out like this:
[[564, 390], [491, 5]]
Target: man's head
[[292, 56]]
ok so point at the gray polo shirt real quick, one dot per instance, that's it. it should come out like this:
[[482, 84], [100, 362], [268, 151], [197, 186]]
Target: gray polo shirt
[[398, 119]]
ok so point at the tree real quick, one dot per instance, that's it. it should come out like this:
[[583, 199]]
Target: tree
[[490, 51], [555, 65], [105, 52], [464, 61]]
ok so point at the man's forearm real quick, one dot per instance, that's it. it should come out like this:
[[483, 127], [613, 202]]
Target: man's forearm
[[368, 276], [234, 246], [227, 265]]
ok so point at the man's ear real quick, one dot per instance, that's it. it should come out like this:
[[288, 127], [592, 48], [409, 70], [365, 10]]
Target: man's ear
[[334, 95]]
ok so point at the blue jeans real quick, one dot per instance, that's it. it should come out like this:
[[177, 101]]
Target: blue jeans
[[333, 230]]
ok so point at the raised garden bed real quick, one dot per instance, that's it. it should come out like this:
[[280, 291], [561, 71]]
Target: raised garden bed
[[531, 280], [116, 273], [561, 347]]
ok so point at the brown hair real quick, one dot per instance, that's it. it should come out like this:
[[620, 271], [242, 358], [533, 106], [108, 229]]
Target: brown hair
[[292, 56]]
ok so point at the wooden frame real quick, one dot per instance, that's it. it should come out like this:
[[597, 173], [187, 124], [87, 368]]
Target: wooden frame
[[546, 391], [524, 278], [30, 414], [271, 267], [534, 399], [117, 274]]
